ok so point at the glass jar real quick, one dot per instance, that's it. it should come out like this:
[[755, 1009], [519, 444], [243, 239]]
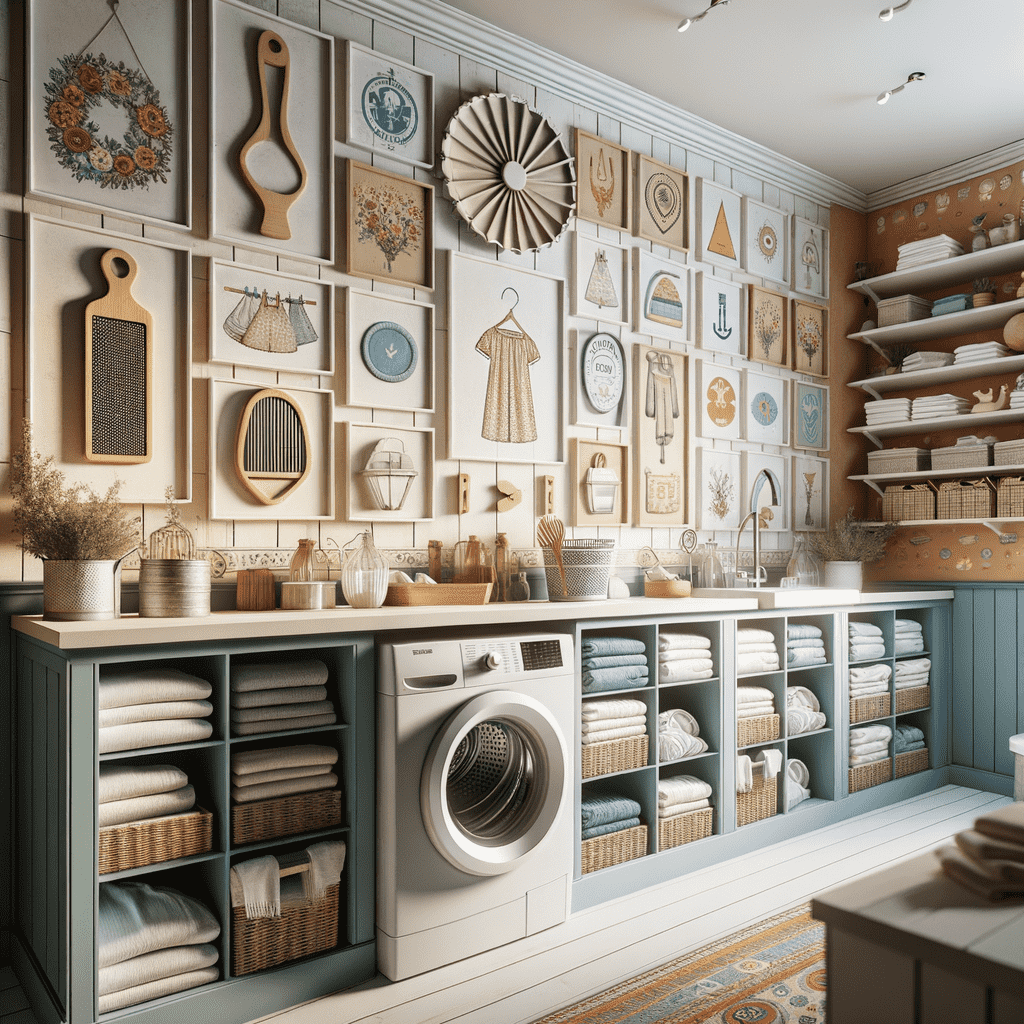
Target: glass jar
[[364, 574], [711, 573], [803, 566]]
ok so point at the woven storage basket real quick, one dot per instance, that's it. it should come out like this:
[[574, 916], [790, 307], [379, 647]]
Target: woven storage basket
[[1008, 453], [913, 699], [285, 816], [908, 501], [966, 499], [1010, 497], [685, 828], [614, 848], [864, 776], [137, 843], [760, 802], [863, 709], [899, 460], [910, 762], [962, 456], [901, 309], [613, 756], [763, 729]]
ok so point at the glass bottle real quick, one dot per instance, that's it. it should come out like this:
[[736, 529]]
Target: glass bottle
[[802, 564], [711, 574], [302, 568], [364, 575], [519, 588]]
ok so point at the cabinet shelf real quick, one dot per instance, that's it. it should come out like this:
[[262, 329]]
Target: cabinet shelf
[[876, 386], [917, 475], [902, 427]]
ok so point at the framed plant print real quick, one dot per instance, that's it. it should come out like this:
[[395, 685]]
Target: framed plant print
[[753, 463], [810, 338], [659, 437], [765, 412], [718, 400], [604, 181], [269, 320], [390, 106], [810, 258], [390, 473], [767, 327], [505, 343], [765, 241], [600, 482], [810, 493], [660, 296], [389, 226], [810, 416], [719, 500], [600, 380], [718, 224], [600, 280], [662, 203], [719, 314]]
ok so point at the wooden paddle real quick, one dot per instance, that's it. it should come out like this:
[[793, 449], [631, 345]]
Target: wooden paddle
[[550, 534]]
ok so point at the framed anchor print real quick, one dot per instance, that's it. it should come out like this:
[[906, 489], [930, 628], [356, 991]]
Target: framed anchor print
[[604, 181], [810, 416], [810, 493], [662, 203], [660, 297], [810, 338], [765, 413], [765, 241], [719, 315], [767, 327], [390, 106], [717, 238], [600, 280], [717, 391], [810, 258]]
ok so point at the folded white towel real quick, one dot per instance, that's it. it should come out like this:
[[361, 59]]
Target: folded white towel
[[272, 676], [678, 789], [154, 734], [264, 759], [326, 861], [279, 775], [880, 755], [161, 963], [867, 652], [138, 808], [800, 719], [260, 881], [682, 641], [772, 760], [913, 666], [756, 647], [280, 724], [270, 790], [688, 675], [155, 989], [750, 634], [285, 695], [685, 671], [744, 774], [125, 781], [276, 711], [799, 642], [622, 707], [164, 711], [868, 748], [674, 744], [755, 710], [604, 724], [871, 673], [858, 628], [675, 810], [620, 733], [120, 687], [687, 654], [908, 626], [908, 645], [753, 694], [863, 733], [867, 689], [756, 664], [677, 718], [910, 682], [801, 697]]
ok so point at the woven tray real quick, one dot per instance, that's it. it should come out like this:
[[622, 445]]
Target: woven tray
[[901, 309], [863, 709], [614, 848], [285, 816], [911, 762], [864, 776], [962, 456], [685, 828], [1008, 453], [899, 460], [408, 595], [760, 802], [613, 756], [137, 843], [763, 729], [914, 699]]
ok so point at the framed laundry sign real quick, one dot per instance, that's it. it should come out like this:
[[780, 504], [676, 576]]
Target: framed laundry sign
[[505, 342], [269, 320], [600, 384]]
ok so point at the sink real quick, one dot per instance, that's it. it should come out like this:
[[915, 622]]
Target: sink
[[786, 597]]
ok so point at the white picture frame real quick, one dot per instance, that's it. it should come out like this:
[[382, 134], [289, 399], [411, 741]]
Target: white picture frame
[[236, 211], [389, 106], [600, 273], [720, 315], [358, 443], [586, 348], [810, 258], [719, 222], [236, 297], [661, 297], [752, 464], [719, 495], [765, 408], [766, 241], [717, 400], [810, 476]]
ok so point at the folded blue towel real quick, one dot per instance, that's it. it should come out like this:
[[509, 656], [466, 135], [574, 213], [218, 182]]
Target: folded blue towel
[[802, 631], [802, 657], [603, 808], [909, 732], [613, 660], [612, 826], [626, 677], [612, 645], [906, 748]]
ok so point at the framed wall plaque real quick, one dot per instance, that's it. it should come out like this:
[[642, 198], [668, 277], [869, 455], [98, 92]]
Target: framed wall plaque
[[810, 493], [717, 394], [765, 412], [600, 280], [662, 203], [767, 326], [718, 238], [719, 494], [753, 463], [661, 296], [719, 314], [765, 241], [810, 338], [810, 258], [600, 380], [604, 181], [600, 482], [810, 416]]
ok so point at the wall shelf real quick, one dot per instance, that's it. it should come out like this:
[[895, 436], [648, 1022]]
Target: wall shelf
[[994, 523], [968, 421], [876, 386], [917, 475]]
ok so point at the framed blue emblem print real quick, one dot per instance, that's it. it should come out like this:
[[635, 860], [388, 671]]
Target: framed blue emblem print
[[390, 106], [810, 416]]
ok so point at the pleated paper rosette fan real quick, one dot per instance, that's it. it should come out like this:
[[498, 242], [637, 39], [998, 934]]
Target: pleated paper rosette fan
[[508, 173]]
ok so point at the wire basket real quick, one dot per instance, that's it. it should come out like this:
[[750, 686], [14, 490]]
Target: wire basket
[[588, 567], [908, 501]]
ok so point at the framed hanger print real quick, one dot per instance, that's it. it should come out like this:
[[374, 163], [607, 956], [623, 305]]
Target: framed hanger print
[[662, 203], [717, 238], [604, 181], [661, 296], [719, 314], [600, 280], [765, 241], [810, 416], [810, 338], [767, 326], [810, 258]]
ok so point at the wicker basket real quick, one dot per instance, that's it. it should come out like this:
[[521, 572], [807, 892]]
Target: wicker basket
[[911, 762], [864, 709], [1010, 497], [962, 456], [901, 309], [899, 460], [137, 843], [966, 499], [760, 802], [908, 501], [762, 729], [913, 699], [685, 828], [864, 776], [285, 816], [613, 756], [1008, 453], [613, 848], [409, 595]]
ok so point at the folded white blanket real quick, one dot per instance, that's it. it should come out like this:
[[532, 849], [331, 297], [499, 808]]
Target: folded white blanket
[[138, 808], [156, 989], [867, 689], [161, 963], [279, 724], [120, 687], [801, 697], [868, 748], [802, 630], [124, 781], [165, 711], [800, 641], [910, 683], [266, 714], [682, 641], [269, 790], [274, 675], [754, 664], [154, 734], [753, 694], [867, 652], [871, 674], [677, 718], [908, 645], [755, 710], [678, 789], [687, 654], [285, 695], [912, 666], [864, 629], [757, 648], [750, 634], [674, 810], [260, 882], [135, 918], [674, 744], [607, 735], [908, 626], [686, 671], [864, 733], [622, 707], [326, 861], [279, 775], [604, 724], [880, 755], [265, 759], [799, 719]]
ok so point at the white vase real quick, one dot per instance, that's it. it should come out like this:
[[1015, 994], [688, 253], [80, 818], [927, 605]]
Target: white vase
[[844, 575], [76, 590]]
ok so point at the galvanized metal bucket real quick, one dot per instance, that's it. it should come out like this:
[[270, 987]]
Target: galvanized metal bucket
[[81, 589], [174, 588]]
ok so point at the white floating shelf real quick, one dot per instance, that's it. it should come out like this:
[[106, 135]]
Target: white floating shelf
[[938, 375], [937, 474], [969, 421]]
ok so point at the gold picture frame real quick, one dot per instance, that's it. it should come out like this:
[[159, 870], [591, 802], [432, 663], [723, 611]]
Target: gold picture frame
[[662, 203], [604, 181], [810, 338], [767, 326], [612, 503]]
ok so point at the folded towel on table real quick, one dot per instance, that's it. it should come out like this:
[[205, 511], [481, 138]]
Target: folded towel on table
[[679, 789], [682, 641], [286, 787], [758, 710], [755, 664], [265, 759], [686, 671], [155, 966], [608, 735], [677, 718], [612, 661], [272, 711], [611, 645], [285, 695], [858, 759], [674, 744], [153, 734], [326, 861], [867, 652], [279, 775], [979, 846], [864, 629], [275, 675], [628, 677], [280, 724], [684, 654], [866, 733], [120, 687], [155, 989], [753, 694], [803, 630], [805, 657], [138, 808], [756, 648], [608, 828], [260, 882], [164, 711], [771, 759], [611, 707], [1006, 823], [803, 720], [991, 880], [602, 808], [750, 634], [125, 781], [870, 674], [675, 810]]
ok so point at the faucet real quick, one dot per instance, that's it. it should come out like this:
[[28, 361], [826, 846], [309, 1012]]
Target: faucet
[[760, 519]]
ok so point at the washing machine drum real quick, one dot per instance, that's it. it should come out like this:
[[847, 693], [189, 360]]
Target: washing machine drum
[[494, 781]]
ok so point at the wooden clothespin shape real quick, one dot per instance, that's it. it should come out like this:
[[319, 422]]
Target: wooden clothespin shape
[[549, 496], [463, 493]]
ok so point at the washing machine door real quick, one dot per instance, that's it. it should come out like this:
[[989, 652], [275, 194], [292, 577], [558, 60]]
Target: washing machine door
[[494, 781]]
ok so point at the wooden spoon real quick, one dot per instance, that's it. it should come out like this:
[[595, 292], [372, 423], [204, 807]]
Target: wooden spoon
[[550, 533]]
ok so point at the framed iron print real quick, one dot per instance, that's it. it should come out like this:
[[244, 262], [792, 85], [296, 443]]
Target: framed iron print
[[765, 241], [719, 314], [718, 501], [601, 392], [717, 237], [753, 463], [765, 413], [767, 326], [810, 338], [660, 296], [810, 416], [390, 106], [810, 493], [662, 203], [717, 390], [604, 181], [600, 280], [810, 258]]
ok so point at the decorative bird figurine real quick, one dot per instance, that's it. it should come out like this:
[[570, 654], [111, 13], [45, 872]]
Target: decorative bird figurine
[[986, 403]]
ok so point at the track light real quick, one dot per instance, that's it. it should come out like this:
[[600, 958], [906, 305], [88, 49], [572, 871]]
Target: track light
[[886, 15], [687, 22], [915, 76]]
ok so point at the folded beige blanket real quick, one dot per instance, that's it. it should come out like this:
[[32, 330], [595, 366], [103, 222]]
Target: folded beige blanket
[[246, 794], [751, 634], [161, 963], [684, 654], [279, 774], [757, 648], [680, 789], [121, 686], [753, 694], [607, 735], [1006, 823], [265, 714], [684, 671], [753, 664], [674, 810], [1005, 881], [978, 846], [155, 989], [274, 675], [594, 710], [124, 781], [156, 805], [279, 724], [154, 734], [265, 759], [755, 710], [285, 695], [163, 711]]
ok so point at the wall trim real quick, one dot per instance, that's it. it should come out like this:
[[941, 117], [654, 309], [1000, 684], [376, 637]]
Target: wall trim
[[976, 778]]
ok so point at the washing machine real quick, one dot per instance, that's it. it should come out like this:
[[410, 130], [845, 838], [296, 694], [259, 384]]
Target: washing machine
[[474, 799]]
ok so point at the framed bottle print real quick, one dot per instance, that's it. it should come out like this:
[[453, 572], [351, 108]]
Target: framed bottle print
[[662, 203]]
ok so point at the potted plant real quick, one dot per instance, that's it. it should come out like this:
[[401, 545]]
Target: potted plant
[[847, 545], [80, 535], [984, 292]]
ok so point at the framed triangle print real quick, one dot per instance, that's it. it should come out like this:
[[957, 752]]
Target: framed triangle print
[[718, 224]]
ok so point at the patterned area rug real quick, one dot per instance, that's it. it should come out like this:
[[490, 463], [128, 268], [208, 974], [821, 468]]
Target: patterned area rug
[[770, 973]]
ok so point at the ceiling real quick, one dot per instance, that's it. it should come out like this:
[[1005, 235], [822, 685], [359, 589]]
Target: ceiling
[[801, 76]]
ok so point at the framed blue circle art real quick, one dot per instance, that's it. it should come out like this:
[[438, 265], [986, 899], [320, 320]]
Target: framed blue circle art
[[389, 351], [764, 408]]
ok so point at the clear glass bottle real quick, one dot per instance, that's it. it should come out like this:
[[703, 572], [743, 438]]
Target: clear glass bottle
[[364, 574], [711, 573], [803, 566]]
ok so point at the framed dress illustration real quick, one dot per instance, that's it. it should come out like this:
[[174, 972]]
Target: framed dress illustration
[[604, 181], [717, 236]]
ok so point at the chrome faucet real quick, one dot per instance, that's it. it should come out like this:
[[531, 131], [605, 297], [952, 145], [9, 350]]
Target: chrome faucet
[[759, 519]]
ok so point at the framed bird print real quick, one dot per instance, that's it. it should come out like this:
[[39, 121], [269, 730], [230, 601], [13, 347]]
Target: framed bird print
[[662, 203], [600, 280], [719, 314], [717, 391], [810, 338], [604, 181], [765, 413], [765, 241], [660, 297], [767, 327], [717, 236], [810, 258], [810, 416]]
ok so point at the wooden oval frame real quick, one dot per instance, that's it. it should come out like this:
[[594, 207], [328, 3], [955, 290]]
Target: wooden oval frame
[[243, 429]]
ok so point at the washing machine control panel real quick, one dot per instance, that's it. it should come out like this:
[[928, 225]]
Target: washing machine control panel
[[498, 657]]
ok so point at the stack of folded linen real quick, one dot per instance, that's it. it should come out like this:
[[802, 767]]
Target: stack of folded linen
[[268, 697], [678, 735], [150, 707], [606, 720], [613, 663], [770, 760], [981, 352], [269, 772], [926, 361], [257, 884], [989, 858], [754, 702], [907, 738], [869, 680], [755, 652], [684, 658], [866, 642], [604, 813], [950, 304], [151, 942], [682, 794], [927, 250], [129, 793], [1017, 399], [803, 712], [887, 410], [913, 673], [937, 407], [805, 646], [869, 743], [909, 637], [798, 783]]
